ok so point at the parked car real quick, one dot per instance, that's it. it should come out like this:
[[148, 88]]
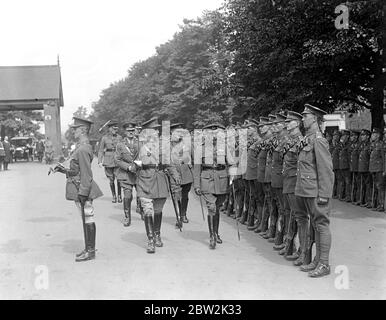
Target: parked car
[[22, 148]]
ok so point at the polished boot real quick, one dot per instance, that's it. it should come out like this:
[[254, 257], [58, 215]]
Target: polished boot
[[119, 192], [264, 221], [138, 208], [244, 216], [302, 232], [280, 232], [112, 187], [309, 267], [212, 240], [89, 254], [85, 244], [150, 233], [216, 223], [250, 220], [127, 211], [157, 229], [320, 271]]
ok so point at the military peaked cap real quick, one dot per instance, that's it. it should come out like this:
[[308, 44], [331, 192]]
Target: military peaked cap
[[129, 126], [215, 124], [313, 110], [112, 123], [80, 122], [152, 123], [292, 115]]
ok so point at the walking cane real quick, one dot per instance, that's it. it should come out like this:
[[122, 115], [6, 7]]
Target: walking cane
[[373, 191], [361, 191], [352, 187], [234, 201]]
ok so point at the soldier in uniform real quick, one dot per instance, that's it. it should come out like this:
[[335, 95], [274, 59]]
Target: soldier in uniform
[[376, 170], [277, 177], [152, 182], [125, 154], [344, 185], [211, 180], [363, 169], [336, 146], [314, 184], [81, 187], [181, 158], [106, 153], [354, 159]]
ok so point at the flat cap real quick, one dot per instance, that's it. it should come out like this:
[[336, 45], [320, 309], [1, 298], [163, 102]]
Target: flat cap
[[214, 125], [151, 123], [129, 126], [80, 122], [308, 108], [292, 115]]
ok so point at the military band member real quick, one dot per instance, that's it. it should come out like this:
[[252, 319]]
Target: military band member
[[125, 154], [81, 187], [376, 170], [182, 160], [106, 152], [152, 183], [211, 181], [354, 160], [363, 169], [315, 180], [344, 185]]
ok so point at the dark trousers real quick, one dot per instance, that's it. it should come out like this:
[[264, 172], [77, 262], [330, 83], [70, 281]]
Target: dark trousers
[[185, 188], [239, 188], [344, 184], [365, 188]]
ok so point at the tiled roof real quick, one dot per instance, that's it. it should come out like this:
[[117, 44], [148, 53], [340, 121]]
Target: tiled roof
[[30, 83]]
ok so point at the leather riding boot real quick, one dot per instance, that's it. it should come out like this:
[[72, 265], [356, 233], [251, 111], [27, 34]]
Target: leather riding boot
[[243, 217], [89, 254], [216, 223], [212, 241], [138, 208], [127, 211], [264, 221], [85, 243], [157, 229], [311, 266], [119, 192], [150, 233], [278, 240], [302, 232], [112, 187]]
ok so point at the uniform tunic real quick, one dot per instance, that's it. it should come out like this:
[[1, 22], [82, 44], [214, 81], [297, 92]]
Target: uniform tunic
[[107, 148], [125, 154]]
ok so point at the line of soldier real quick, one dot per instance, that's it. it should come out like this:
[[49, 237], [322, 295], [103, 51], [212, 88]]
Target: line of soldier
[[287, 186], [359, 167], [285, 189]]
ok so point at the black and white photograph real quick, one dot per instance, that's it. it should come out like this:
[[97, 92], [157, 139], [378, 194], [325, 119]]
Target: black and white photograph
[[198, 151]]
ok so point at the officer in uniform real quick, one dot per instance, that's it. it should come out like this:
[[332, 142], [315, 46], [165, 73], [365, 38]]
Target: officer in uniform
[[106, 153], [80, 186], [152, 183], [376, 170], [211, 180], [344, 185], [181, 158], [363, 169], [354, 160], [336, 146], [314, 184], [125, 154]]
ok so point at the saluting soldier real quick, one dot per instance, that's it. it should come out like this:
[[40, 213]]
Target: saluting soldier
[[125, 154], [81, 187], [363, 169], [354, 161], [152, 183], [181, 158], [336, 146], [106, 153], [344, 185], [315, 180], [211, 179], [376, 170]]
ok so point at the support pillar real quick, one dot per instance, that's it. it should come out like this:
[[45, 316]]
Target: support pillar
[[52, 126]]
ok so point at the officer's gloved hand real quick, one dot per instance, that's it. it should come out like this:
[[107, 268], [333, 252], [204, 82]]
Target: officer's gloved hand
[[322, 201], [198, 191], [82, 199], [60, 168]]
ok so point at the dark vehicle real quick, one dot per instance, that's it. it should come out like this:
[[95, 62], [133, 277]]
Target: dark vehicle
[[22, 148]]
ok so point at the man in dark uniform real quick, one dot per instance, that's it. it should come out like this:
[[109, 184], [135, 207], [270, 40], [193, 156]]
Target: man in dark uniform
[[336, 146], [376, 170], [363, 169], [152, 182], [211, 179], [80, 186], [125, 154], [182, 160], [106, 153], [354, 159], [344, 185], [314, 184]]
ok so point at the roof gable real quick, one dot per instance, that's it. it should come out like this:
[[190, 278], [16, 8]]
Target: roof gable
[[31, 83]]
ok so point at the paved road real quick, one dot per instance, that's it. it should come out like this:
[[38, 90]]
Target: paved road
[[40, 232]]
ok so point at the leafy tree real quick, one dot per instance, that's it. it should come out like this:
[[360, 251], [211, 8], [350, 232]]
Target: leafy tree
[[14, 123]]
